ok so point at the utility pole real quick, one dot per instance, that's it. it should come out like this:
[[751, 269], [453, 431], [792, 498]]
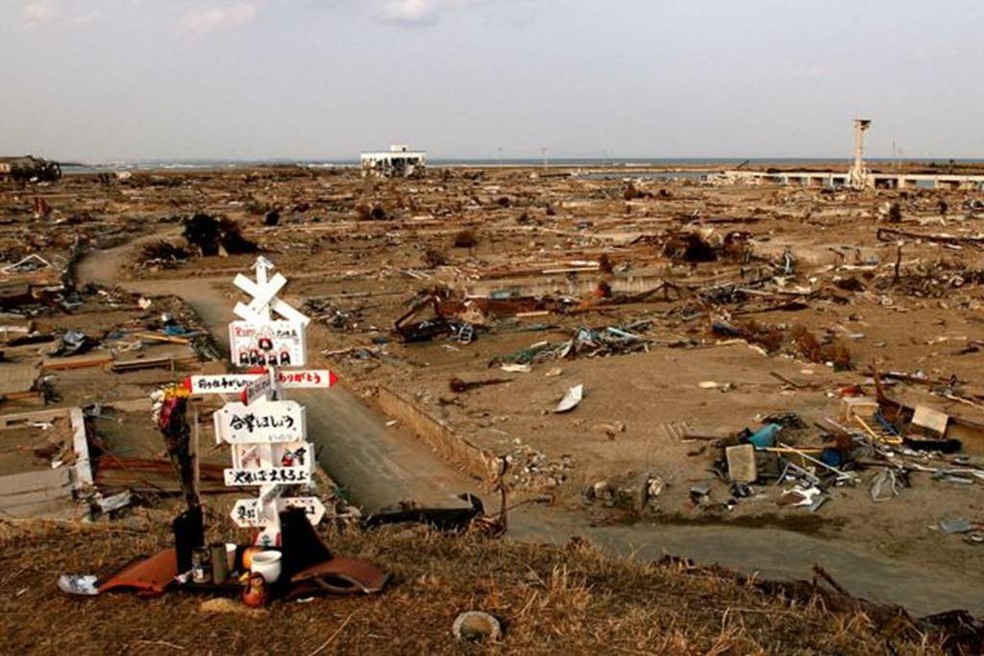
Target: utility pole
[[544, 149], [500, 156]]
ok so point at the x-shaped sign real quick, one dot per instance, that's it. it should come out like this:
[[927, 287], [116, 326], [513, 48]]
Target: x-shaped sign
[[265, 297]]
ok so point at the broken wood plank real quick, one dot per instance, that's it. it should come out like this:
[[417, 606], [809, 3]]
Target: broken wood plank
[[80, 443], [18, 380], [894, 234], [161, 337], [788, 381], [121, 366], [22, 419], [77, 361]]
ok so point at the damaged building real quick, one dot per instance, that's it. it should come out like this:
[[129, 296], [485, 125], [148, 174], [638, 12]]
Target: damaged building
[[28, 168], [398, 162]]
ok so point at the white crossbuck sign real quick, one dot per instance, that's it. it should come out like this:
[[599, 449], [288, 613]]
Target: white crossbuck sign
[[267, 433]]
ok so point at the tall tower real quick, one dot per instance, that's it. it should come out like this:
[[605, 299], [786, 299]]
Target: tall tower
[[859, 177]]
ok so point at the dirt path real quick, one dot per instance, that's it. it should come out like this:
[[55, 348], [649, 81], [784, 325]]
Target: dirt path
[[381, 466]]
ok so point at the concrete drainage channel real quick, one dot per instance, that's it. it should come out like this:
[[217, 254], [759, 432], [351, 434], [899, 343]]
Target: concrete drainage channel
[[436, 434]]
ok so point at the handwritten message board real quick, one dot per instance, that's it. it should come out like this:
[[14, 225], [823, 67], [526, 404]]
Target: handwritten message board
[[271, 421], [273, 343]]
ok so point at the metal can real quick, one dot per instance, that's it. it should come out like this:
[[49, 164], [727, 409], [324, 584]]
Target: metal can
[[201, 565], [220, 569]]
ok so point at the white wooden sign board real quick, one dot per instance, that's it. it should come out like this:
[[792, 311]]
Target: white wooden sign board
[[267, 433], [273, 343], [219, 383], [264, 301], [284, 454], [263, 294], [235, 383], [260, 388], [246, 513], [307, 378], [273, 421], [267, 475]]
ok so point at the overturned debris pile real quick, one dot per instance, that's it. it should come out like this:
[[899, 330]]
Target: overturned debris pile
[[938, 279], [876, 442], [212, 236], [29, 169], [436, 325], [689, 247], [585, 342], [796, 340]]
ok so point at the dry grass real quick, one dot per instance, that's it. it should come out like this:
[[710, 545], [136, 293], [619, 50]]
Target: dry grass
[[549, 600]]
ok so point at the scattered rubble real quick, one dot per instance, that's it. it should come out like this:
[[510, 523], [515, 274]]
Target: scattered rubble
[[728, 308]]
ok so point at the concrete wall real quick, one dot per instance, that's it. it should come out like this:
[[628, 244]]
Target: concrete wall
[[434, 432]]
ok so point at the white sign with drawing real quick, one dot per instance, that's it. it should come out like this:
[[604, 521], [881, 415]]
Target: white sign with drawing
[[284, 454], [268, 343], [272, 421]]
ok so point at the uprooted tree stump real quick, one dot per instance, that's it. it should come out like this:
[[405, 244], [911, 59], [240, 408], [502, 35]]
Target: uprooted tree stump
[[213, 236], [375, 212], [465, 239]]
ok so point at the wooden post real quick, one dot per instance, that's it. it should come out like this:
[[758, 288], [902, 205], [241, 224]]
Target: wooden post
[[195, 449]]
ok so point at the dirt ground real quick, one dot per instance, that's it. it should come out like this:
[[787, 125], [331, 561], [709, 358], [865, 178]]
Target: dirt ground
[[717, 345]]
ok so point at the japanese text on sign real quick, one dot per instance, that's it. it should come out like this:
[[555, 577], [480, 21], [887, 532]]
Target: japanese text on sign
[[234, 383], [247, 513], [267, 475], [273, 421]]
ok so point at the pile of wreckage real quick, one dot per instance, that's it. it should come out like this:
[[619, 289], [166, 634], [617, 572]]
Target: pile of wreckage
[[876, 441], [29, 169], [584, 342], [55, 463], [32, 280], [203, 234]]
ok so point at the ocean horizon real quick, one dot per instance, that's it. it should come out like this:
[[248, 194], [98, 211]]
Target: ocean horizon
[[208, 164]]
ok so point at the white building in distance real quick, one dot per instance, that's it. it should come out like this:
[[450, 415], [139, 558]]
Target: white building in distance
[[398, 161]]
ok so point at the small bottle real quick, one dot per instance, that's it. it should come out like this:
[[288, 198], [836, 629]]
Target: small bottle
[[201, 565]]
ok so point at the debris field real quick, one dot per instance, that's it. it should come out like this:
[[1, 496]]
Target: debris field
[[633, 346]]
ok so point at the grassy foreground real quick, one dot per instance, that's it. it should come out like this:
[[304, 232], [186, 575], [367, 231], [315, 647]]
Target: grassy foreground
[[549, 600]]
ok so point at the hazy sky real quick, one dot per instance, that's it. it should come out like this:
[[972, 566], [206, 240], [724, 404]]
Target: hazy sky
[[100, 80]]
